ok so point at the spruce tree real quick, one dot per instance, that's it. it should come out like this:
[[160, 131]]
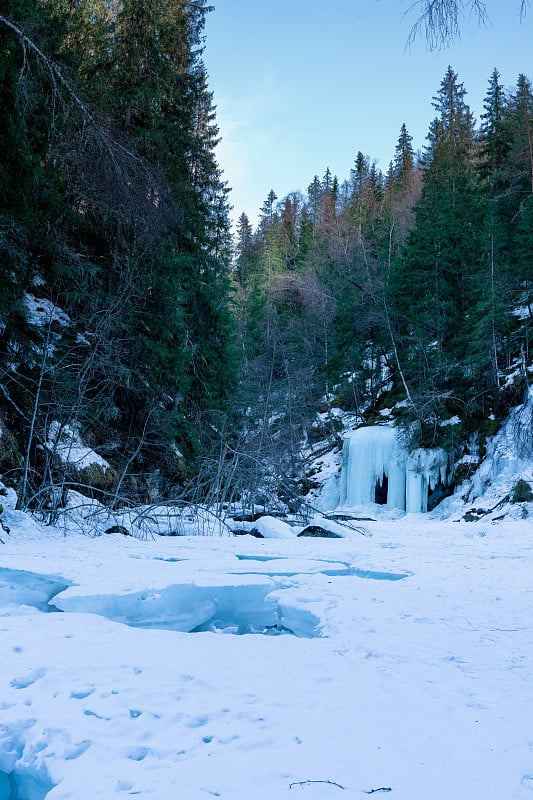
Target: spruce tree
[[493, 135], [244, 249], [404, 162], [434, 285], [125, 208]]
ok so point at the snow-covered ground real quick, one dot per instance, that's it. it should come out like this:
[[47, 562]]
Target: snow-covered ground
[[409, 672]]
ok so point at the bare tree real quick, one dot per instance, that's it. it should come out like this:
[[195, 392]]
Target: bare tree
[[439, 21]]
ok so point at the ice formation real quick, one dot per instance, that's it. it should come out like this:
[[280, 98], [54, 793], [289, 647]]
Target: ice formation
[[377, 468], [509, 454]]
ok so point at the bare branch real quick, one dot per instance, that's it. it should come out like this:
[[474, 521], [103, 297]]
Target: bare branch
[[439, 20], [305, 783], [58, 79]]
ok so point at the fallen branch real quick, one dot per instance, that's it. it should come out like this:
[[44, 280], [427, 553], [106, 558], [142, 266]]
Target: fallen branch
[[381, 789], [304, 783]]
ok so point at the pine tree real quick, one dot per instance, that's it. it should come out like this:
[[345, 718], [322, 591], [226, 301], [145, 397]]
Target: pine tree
[[493, 135], [244, 249], [404, 162], [523, 253], [434, 285], [314, 201], [508, 221], [519, 123]]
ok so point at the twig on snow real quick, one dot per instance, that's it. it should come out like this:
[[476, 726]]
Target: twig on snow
[[304, 783]]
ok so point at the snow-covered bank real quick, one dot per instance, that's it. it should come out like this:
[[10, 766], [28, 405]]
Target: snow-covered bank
[[376, 462], [412, 671]]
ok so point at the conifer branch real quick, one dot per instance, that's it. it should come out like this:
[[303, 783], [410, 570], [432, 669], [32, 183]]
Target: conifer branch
[[58, 79]]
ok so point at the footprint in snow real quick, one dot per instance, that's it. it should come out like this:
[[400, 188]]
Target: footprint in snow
[[82, 693], [138, 753], [24, 681], [197, 722], [77, 750], [527, 781]]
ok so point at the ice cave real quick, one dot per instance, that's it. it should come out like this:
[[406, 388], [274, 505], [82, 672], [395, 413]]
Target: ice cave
[[377, 468]]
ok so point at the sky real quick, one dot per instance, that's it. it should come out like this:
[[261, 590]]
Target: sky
[[302, 85]]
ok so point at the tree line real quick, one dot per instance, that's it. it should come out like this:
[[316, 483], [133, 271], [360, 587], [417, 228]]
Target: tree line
[[411, 288]]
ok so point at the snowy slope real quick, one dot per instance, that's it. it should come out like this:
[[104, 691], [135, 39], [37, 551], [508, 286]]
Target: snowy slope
[[509, 458], [488, 493]]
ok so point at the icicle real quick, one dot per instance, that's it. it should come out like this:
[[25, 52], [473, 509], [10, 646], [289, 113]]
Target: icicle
[[369, 455], [373, 454], [425, 469]]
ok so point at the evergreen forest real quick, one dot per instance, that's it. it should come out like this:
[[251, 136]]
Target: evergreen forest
[[203, 364]]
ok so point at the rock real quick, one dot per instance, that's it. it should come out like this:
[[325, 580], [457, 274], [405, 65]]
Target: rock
[[318, 531], [118, 529], [273, 528], [250, 516], [522, 492], [474, 514], [252, 532]]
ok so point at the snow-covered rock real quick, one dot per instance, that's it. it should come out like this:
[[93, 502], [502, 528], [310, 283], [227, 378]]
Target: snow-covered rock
[[273, 528], [66, 442]]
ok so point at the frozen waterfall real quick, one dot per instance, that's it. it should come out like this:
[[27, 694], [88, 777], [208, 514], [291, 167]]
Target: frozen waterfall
[[377, 468]]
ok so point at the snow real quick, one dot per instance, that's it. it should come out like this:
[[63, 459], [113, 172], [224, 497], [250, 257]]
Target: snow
[[393, 660], [92, 518], [42, 312], [509, 458], [523, 312], [272, 528], [65, 440], [398, 661], [455, 420]]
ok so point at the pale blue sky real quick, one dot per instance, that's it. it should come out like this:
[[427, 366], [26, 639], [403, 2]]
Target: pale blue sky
[[301, 85]]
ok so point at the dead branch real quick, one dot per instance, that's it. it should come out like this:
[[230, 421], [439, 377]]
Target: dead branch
[[440, 20], [57, 78], [305, 783], [103, 151]]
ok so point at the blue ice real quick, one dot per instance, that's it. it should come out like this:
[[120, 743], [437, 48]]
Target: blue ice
[[18, 587]]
